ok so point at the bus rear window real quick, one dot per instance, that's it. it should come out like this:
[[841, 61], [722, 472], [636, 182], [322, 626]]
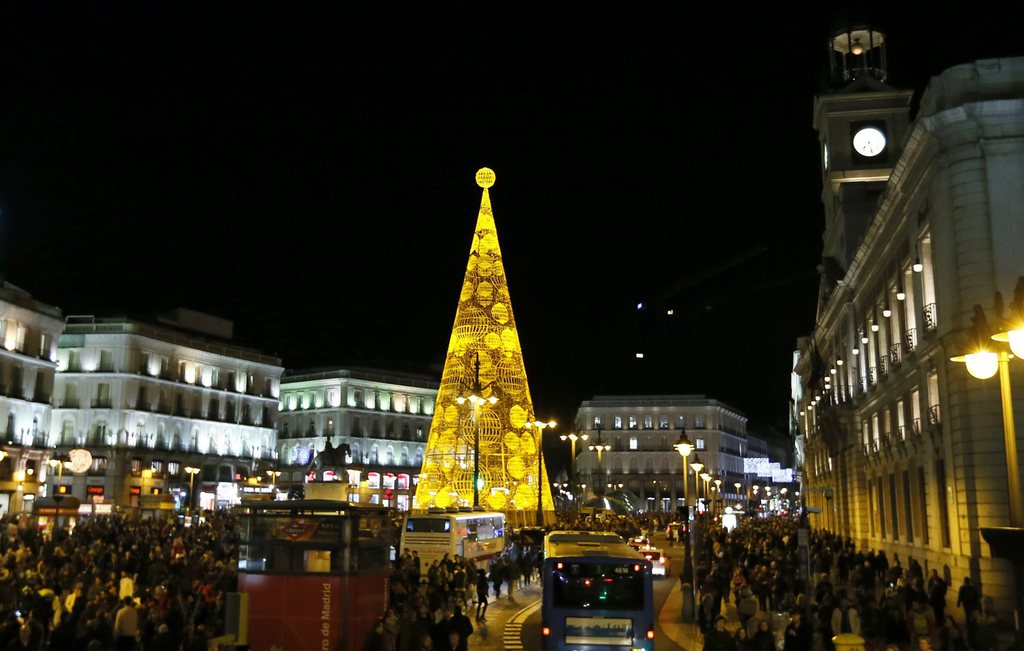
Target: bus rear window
[[599, 586], [427, 525]]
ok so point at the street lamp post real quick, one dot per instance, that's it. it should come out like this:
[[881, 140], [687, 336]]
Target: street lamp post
[[540, 425], [191, 482], [984, 363], [718, 492], [696, 465], [572, 437], [476, 399], [684, 448], [599, 446], [57, 495]]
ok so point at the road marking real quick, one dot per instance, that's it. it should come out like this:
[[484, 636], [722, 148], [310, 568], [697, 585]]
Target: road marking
[[512, 637]]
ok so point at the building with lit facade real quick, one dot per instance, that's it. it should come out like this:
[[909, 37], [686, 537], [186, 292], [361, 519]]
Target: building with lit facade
[[640, 432], [902, 450], [150, 398], [382, 416], [28, 351]]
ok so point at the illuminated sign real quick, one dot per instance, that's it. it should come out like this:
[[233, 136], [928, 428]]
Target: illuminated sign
[[753, 464]]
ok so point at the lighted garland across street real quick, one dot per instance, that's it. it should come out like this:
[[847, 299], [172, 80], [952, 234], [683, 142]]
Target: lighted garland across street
[[483, 353]]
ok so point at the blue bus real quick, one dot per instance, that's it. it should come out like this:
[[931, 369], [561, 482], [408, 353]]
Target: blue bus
[[598, 594]]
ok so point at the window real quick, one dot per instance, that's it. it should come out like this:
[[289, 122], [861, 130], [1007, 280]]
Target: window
[[698, 422], [617, 422], [880, 502], [648, 422], [136, 464], [663, 422], [633, 443], [680, 422], [700, 444], [940, 489], [922, 499], [632, 422], [597, 422], [103, 395], [20, 343], [106, 361], [893, 509], [908, 513]]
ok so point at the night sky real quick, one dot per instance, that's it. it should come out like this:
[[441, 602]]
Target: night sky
[[308, 173]]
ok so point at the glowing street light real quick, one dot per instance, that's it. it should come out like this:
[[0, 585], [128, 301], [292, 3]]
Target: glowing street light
[[477, 400], [540, 425], [572, 437], [192, 471]]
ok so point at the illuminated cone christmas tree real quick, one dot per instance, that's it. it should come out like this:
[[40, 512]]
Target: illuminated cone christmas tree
[[484, 400]]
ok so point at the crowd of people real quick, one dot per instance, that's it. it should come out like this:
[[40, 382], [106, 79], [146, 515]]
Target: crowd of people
[[115, 583], [892, 606]]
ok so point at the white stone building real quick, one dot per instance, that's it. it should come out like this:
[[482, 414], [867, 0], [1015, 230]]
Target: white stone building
[[28, 351], [642, 431], [163, 395], [903, 450], [382, 416]]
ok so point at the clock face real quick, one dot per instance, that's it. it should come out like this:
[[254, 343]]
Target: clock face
[[869, 141]]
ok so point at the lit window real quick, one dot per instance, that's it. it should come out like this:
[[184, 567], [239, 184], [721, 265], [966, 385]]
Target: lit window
[[617, 422], [632, 422], [633, 445], [597, 422], [700, 444]]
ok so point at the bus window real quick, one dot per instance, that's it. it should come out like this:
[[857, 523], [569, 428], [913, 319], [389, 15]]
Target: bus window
[[428, 525], [599, 586], [316, 560]]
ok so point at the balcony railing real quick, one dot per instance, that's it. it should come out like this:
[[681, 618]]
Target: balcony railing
[[930, 322], [910, 339], [934, 416], [895, 354]]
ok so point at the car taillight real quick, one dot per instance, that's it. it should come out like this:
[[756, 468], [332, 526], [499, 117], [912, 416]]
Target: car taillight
[[546, 631]]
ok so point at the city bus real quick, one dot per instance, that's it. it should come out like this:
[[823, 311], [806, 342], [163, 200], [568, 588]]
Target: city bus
[[476, 535], [598, 594]]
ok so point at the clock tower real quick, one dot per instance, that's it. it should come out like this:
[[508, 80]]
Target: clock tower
[[861, 123]]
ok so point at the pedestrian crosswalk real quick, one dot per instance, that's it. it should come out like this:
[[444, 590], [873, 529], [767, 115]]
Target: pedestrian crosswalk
[[512, 637]]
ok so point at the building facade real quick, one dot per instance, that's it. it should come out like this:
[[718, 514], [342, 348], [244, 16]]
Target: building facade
[[641, 432], [902, 449], [28, 352], [149, 399], [381, 416]]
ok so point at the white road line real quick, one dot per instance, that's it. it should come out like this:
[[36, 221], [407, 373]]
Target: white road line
[[512, 637]]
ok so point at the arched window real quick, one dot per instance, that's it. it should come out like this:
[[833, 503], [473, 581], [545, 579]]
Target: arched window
[[389, 458], [403, 457], [67, 432], [374, 454], [419, 456], [356, 456]]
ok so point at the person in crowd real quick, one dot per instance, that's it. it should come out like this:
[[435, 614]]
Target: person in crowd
[[763, 640], [461, 624], [798, 635], [742, 640], [374, 640], [719, 639]]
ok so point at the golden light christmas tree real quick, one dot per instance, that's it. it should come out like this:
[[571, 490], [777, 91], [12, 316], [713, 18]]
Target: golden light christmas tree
[[484, 425]]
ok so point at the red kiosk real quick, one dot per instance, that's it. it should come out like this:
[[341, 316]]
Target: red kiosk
[[315, 572]]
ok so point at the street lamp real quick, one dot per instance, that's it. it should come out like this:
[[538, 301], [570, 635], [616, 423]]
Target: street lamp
[[983, 363], [58, 465], [192, 471], [477, 400], [572, 438], [599, 446], [697, 466], [273, 475], [540, 425], [684, 448], [718, 490]]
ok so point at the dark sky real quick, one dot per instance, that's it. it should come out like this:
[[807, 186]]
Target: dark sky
[[308, 173]]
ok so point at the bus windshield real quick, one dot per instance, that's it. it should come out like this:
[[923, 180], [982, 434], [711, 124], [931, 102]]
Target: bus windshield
[[428, 525], [604, 586]]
